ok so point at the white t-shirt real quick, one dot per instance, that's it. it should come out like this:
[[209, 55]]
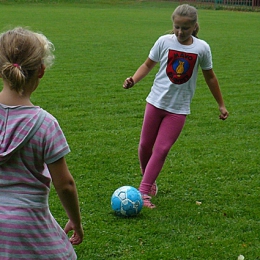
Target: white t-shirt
[[175, 82]]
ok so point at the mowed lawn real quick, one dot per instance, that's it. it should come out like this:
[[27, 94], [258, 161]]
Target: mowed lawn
[[215, 163]]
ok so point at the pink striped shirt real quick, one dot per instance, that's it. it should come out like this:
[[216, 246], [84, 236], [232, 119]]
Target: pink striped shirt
[[27, 228]]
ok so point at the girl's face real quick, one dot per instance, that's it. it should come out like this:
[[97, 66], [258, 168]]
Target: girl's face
[[183, 28]]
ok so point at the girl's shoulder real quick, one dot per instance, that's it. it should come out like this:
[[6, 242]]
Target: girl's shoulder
[[200, 41], [166, 40], [168, 36], [48, 115], [50, 120]]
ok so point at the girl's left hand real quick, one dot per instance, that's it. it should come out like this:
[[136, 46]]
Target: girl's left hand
[[77, 236], [224, 113]]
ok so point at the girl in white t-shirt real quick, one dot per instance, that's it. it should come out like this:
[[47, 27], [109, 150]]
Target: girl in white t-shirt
[[180, 54]]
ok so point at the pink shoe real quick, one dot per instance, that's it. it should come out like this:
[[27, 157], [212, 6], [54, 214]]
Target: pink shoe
[[154, 189], [147, 201]]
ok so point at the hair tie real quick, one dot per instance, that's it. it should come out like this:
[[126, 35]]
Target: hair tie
[[17, 65]]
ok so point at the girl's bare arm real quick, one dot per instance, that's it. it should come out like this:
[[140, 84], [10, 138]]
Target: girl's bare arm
[[66, 189], [141, 72]]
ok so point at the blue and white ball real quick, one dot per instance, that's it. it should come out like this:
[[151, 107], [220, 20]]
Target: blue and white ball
[[126, 201]]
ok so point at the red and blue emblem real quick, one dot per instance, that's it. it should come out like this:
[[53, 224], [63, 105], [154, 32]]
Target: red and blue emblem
[[180, 66]]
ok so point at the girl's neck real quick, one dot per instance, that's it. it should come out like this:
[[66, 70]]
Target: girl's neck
[[187, 42], [10, 97]]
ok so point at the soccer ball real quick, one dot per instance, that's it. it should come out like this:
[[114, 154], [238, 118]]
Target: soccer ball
[[126, 201]]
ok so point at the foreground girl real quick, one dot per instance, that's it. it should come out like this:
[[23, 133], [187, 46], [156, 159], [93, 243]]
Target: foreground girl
[[32, 151]]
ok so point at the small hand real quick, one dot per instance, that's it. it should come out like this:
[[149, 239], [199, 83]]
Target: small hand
[[224, 113], [78, 234], [129, 82]]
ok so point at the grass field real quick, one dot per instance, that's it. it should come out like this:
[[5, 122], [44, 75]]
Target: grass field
[[98, 44]]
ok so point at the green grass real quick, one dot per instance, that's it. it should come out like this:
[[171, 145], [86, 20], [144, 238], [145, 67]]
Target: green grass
[[97, 46]]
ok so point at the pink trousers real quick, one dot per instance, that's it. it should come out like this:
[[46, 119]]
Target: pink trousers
[[160, 131]]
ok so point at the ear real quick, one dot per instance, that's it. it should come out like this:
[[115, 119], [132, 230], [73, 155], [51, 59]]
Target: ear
[[41, 71], [196, 27]]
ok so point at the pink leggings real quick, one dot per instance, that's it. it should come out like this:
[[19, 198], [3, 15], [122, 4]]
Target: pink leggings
[[159, 132]]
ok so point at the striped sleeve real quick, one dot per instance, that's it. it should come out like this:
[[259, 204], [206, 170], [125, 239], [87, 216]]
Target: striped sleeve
[[56, 145]]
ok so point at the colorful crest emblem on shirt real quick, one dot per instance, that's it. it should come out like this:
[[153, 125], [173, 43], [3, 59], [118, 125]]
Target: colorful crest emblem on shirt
[[180, 66]]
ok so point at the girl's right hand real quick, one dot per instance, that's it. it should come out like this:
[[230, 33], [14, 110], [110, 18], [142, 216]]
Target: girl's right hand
[[128, 83]]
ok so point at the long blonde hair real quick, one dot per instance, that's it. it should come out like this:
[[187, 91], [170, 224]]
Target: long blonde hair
[[22, 52]]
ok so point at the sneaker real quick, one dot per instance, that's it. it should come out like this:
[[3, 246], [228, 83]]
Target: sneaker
[[147, 201], [154, 189]]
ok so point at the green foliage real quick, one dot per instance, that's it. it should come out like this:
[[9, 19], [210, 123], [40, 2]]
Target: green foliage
[[213, 162]]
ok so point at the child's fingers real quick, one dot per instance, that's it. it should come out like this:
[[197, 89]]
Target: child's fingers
[[129, 82]]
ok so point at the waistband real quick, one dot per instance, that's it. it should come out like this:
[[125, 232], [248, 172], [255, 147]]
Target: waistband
[[21, 199]]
